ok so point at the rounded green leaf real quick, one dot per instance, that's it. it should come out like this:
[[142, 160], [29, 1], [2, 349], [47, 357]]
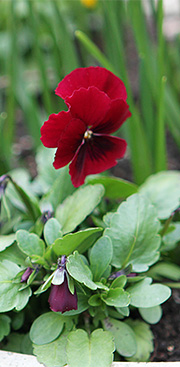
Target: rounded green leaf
[[30, 243], [79, 271], [145, 295], [52, 231], [78, 206], [46, 328], [134, 234], [6, 241], [116, 297], [92, 351], [101, 256], [163, 190], [123, 335], [152, 315]]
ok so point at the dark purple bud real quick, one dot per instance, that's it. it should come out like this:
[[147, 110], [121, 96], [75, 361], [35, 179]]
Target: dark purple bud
[[3, 183], [61, 299], [26, 274], [131, 275], [47, 215]]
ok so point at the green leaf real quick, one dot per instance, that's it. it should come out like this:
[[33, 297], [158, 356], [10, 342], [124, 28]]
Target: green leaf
[[100, 257], [30, 244], [10, 297], [13, 254], [85, 351], [80, 241], [47, 328], [6, 241], [171, 239], [163, 190], [52, 354], [18, 343], [152, 315], [119, 282], [165, 270], [52, 231], [79, 271], [145, 295], [78, 206], [134, 234], [115, 188], [4, 326], [123, 335], [144, 340], [116, 297]]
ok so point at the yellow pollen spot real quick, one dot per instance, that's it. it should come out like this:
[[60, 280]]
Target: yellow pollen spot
[[89, 3], [88, 134]]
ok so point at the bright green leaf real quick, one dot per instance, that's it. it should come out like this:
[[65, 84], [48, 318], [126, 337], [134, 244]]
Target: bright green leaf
[[6, 241], [144, 340], [84, 351], [30, 243], [80, 241], [52, 231], [115, 188], [52, 354], [4, 326], [116, 297], [100, 256], [46, 328], [79, 271], [152, 315], [78, 206], [134, 234], [10, 297], [123, 334], [145, 295], [163, 190]]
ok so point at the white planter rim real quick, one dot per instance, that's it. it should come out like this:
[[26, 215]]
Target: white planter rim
[[10, 359]]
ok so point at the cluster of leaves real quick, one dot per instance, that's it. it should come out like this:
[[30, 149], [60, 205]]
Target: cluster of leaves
[[119, 255]]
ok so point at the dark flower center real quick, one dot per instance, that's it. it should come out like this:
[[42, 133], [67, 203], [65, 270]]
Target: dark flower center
[[88, 134]]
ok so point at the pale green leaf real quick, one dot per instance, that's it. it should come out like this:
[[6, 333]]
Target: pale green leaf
[[46, 328], [163, 190], [134, 234], [79, 271], [78, 206], [92, 351], [4, 326], [144, 340], [30, 243], [52, 231], [152, 315], [100, 256], [6, 241], [144, 294], [10, 296], [123, 334]]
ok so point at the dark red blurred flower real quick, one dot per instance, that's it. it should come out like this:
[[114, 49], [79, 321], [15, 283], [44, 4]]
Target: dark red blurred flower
[[96, 99], [61, 299]]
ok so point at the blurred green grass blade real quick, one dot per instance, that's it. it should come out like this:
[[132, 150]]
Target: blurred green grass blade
[[35, 27], [146, 104], [66, 45], [94, 50], [9, 125], [160, 137]]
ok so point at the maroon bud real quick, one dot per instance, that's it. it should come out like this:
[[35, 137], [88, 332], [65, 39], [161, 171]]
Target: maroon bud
[[26, 274], [61, 299]]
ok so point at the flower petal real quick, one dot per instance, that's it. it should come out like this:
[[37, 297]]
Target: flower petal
[[99, 77], [90, 105], [61, 299], [117, 114], [71, 138], [96, 155], [52, 129]]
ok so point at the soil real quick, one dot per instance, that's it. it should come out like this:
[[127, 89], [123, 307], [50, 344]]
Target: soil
[[167, 331]]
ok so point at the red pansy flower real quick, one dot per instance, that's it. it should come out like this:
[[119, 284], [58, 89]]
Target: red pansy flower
[[61, 299], [96, 99]]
